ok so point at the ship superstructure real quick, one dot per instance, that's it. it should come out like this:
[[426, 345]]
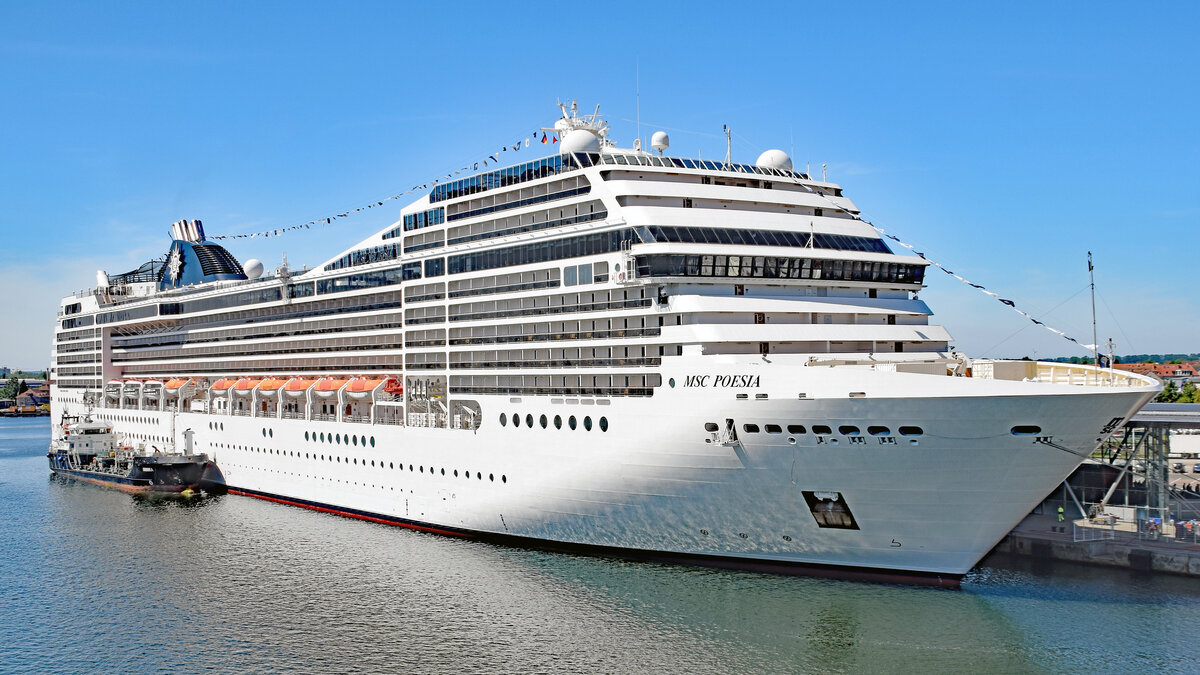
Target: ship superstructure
[[605, 348]]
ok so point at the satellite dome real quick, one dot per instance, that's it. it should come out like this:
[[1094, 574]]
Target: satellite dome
[[660, 141], [253, 268], [579, 140], [775, 159]]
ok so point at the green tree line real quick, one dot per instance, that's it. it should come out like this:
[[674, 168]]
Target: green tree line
[[1172, 393]]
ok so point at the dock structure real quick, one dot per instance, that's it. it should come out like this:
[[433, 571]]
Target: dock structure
[[1124, 507]]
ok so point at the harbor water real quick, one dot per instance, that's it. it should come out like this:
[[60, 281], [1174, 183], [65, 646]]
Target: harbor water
[[94, 580]]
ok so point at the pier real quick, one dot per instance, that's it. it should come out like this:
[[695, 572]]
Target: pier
[[1126, 508]]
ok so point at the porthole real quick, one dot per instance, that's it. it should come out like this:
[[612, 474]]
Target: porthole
[[710, 427], [603, 424], [306, 435], [822, 430], [750, 428], [792, 440], [364, 440], [795, 428], [571, 422], [478, 475], [558, 421], [355, 461], [774, 429], [271, 433], [1022, 430], [848, 430], [372, 462], [529, 420], [443, 472], [879, 431], [322, 436], [503, 478], [587, 423], [516, 420], [911, 431], [338, 439], [503, 420], [354, 439], [492, 477], [422, 469], [543, 421], [456, 473], [372, 441], [339, 460]]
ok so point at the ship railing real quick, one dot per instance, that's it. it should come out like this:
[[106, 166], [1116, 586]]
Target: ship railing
[[395, 421], [324, 417], [359, 419], [1057, 373], [241, 413], [289, 415]]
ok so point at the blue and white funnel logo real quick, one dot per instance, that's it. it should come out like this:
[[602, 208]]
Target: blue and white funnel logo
[[175, 264]]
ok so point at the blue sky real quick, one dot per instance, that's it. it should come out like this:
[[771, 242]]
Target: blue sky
[[1005, 141]]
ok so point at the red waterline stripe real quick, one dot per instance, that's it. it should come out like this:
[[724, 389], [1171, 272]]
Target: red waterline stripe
[[348, 514]]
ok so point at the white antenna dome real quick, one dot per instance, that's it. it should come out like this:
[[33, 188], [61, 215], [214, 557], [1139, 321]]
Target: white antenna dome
[[660, 141], [775, 159], [253, 268], [579, 140]]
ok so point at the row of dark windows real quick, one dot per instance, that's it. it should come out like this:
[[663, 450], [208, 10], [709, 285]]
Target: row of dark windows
[[560, 363], [770, 267], [366, 256], [554, 391], [554, 309], [547, 166], [234, 300], [550, 337], [142, 341], [538, 199], [416, 221], [531, 227], [544, 251], [572, 422], [423, 247], [822, 429], [356, 461], [718, 235], [79, 321]]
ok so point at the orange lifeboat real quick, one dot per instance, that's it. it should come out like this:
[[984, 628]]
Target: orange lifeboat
[[362, 388], [176, 384], [296, 387], [271, 385], [245, 385], [223, 384], [393, 386], [327, 388]]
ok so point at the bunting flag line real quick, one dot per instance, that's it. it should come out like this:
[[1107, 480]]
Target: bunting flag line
[[329, 220], [938, 265]]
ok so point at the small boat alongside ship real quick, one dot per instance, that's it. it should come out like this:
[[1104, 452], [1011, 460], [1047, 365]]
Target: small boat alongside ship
[[91, 451]]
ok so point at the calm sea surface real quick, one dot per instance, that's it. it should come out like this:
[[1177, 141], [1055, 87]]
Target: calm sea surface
[[93, 580]]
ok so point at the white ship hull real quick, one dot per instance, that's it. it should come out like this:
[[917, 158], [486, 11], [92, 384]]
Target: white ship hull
[[656, 483]]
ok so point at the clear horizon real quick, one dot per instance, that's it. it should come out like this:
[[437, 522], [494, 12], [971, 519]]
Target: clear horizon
[[1005, 142]]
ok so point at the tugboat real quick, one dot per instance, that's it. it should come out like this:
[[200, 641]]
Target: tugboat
[[89, 451]]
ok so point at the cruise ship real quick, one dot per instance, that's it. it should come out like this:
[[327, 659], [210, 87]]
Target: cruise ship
[[609, 350]]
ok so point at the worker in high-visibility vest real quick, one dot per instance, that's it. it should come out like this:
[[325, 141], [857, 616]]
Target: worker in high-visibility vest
[[1060, 514]]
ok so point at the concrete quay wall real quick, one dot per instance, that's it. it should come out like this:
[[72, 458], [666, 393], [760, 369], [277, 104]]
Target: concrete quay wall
[[1038, 537]]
